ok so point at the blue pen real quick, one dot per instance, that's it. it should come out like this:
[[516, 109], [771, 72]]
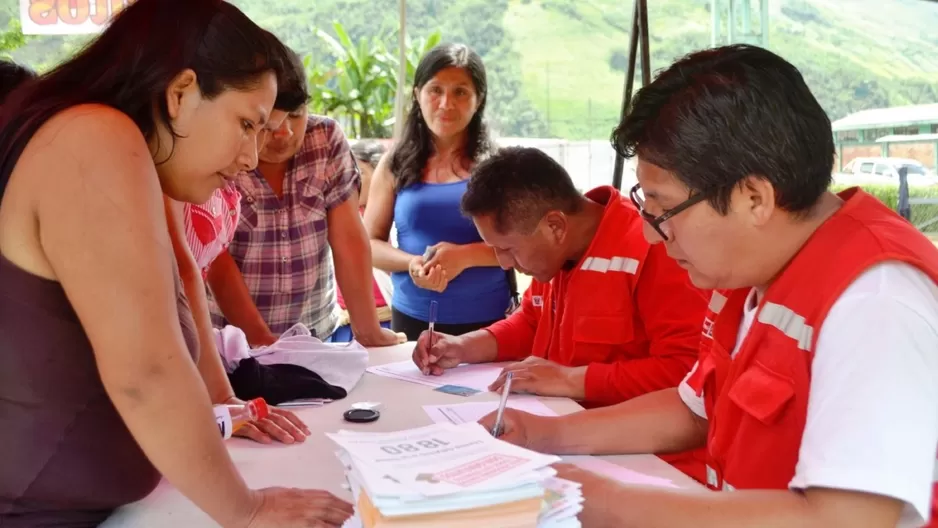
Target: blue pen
[[430, 329]]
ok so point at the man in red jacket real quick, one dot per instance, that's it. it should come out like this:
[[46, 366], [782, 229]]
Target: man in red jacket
[[608, 316], [816, 391]]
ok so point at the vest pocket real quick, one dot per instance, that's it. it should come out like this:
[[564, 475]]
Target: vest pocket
[[762, 393]]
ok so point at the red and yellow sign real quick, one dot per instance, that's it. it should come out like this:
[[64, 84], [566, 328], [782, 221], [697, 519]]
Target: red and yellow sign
[[68, 17]]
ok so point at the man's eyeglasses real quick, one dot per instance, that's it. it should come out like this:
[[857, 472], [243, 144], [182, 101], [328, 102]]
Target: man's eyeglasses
[[638, 199]]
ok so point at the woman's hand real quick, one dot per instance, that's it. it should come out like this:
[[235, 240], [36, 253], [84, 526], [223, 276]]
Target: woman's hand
[[298, 508], [281, 425], [448, 256], [434, 278]]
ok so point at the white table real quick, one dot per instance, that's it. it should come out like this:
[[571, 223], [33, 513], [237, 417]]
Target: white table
[[313, 464]]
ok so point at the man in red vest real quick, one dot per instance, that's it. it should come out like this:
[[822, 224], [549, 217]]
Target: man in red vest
[[816, 388]]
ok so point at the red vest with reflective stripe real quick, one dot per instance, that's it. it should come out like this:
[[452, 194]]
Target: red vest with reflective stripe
[[757, 402]]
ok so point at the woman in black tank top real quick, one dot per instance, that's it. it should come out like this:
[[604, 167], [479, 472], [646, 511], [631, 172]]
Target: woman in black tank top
[[99, 394]]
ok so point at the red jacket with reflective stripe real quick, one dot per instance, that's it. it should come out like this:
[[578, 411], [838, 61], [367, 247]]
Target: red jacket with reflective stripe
[[626, 310], [757, 402]]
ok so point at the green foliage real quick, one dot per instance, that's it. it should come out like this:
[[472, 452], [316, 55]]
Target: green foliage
[[11, 39], [889, 195], [359, 88]]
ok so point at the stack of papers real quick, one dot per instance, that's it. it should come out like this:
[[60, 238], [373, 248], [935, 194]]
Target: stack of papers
[[453, 476]]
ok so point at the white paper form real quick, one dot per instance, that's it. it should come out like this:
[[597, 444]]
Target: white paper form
[[478, 376], [442, 459], [459, 413]]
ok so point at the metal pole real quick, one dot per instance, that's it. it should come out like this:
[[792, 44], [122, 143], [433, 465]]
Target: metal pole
[[903, 207], [646, 53], [400, 96], [629, 81]]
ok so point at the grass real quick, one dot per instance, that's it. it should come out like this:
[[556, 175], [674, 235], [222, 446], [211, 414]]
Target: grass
[[561, 79]]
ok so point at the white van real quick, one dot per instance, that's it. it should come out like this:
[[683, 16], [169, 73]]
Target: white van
[[884, 170]]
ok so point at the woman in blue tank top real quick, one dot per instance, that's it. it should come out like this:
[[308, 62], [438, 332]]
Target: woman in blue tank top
[[440, 256]]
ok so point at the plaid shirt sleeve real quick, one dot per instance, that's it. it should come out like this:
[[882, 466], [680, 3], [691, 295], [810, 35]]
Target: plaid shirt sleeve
[[342, 176]]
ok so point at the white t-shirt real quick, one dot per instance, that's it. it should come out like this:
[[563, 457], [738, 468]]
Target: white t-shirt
[[872, 421]]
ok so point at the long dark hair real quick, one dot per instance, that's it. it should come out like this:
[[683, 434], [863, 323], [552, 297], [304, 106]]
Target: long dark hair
[[131, 64], [415, 145], [12, 76]]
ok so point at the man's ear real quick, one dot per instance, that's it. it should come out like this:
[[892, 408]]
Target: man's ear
[[755, 198], [557, 224]]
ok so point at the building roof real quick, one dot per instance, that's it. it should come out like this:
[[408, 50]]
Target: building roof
[[888, 117], [908, 138]]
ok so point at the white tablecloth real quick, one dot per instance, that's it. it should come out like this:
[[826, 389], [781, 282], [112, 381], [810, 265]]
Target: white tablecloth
[[313, 464]]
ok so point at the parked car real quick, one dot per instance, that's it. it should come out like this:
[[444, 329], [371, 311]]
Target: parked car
[[884, 170]]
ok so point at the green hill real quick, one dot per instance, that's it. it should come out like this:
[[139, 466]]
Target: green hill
[[872, 55], [556, 67]]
